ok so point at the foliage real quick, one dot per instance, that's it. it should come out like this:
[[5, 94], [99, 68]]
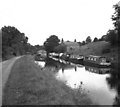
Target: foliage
[[60, 48], [83, 43], [37, 48], [88, 39], [104, 51], [51, 43], [13, 42], [80, 43], [112, 37], [75, 40], [62, 40], [95, 39], [116, 17]]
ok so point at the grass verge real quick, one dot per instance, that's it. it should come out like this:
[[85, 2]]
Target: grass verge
[[28, 84]]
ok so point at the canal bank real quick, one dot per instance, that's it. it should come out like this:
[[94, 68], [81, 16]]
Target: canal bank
[[96, 82], [29, 84]]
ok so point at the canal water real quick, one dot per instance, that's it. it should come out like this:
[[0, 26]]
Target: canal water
[[98, 83]]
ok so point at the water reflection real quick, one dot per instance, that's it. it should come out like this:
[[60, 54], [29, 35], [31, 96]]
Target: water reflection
[[58, 65], [114, 83], [40, 63], [98, 70], [93, 83], [101, 84]]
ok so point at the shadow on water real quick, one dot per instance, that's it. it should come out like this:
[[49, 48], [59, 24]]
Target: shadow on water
[[101, 84], [58, 65], [114, 83]]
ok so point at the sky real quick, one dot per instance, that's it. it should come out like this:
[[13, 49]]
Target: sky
[[67, 19]]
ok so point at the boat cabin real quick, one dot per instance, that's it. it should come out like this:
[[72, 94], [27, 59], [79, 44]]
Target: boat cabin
[[97, 60]]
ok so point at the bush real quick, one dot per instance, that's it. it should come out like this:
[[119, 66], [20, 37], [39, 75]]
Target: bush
[[106, 51]]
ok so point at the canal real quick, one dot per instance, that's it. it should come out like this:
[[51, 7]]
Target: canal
[[101, 84]]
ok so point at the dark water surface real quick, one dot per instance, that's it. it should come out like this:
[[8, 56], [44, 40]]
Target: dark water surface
[[100, 84]]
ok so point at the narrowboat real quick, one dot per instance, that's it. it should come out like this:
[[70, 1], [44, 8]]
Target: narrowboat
[[65, 56], [55, 55], [97, 61], [98, 70], [78, 59]]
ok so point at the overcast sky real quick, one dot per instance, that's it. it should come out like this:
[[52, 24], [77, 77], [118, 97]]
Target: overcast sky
[[68, 19]]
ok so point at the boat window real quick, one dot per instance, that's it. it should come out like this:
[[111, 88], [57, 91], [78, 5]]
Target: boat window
[[91, 58], [103, 60], [92, 69]]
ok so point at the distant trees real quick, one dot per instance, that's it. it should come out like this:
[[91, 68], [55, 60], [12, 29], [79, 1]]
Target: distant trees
[[83, 43], [80, 43], [88, 39], [62, 40], [51, 43], [36, 48], [95, 39], [75, 40]]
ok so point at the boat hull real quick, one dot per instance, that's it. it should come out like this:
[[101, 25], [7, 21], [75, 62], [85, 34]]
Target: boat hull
[[76, 61], [87, 63]]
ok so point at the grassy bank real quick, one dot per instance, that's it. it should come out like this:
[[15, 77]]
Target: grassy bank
[[28, 84], [101, 48]]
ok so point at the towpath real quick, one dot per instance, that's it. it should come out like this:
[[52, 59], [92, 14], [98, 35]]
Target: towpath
[[5, 68]]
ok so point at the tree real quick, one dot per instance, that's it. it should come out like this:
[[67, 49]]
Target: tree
[[95, 39], [75, 40], [116, 20], [83, 43], [60, 48], [88, 39], [116, 16], [62, 40], [80, 43], [103, 38], [13, 41], [112, 37], [51, 43]]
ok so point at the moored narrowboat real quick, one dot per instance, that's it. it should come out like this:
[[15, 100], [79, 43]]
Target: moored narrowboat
[[55, 55], [97, 61], [78, 59]]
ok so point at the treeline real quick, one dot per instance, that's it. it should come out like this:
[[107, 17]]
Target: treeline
[[15, 43], [89, 40], [52, 44]]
